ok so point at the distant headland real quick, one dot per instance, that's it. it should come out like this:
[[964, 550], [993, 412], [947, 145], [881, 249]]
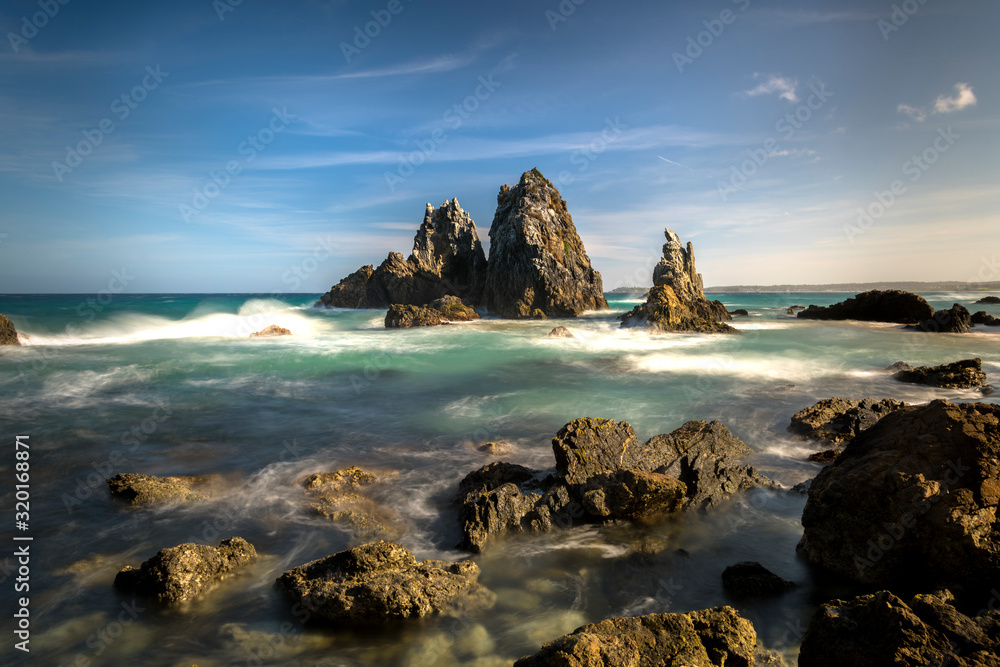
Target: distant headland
[[945, 286]]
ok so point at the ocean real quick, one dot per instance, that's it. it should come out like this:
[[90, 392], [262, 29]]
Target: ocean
[[173, 385]]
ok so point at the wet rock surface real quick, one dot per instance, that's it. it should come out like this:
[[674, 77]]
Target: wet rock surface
[[183, 573], [717, 637], [954, 320], [750, 579], [382, 581], [965, 374], [8, 334], [146, 490], [840, 420], [344, 497]]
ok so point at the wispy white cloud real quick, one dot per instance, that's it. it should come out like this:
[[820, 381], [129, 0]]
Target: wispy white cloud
[[915, 114], [784, 86], [963, 99]]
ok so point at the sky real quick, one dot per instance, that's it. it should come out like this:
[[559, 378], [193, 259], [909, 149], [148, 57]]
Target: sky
[[264, 147]]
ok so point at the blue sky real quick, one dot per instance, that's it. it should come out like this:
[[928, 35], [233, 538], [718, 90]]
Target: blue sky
[[269, 147]]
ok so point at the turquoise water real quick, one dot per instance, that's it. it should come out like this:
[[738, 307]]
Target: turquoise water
[[171, 384]]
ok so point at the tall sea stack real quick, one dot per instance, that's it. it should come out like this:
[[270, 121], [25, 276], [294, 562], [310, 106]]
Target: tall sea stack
[[677, 301], [537, 261]]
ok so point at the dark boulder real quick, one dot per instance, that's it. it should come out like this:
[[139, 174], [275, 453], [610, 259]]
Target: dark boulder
[[537, 260], [825, 456], [677, 301], [912, 499], [875, 306], [632, 494], [839, 420], [741, 312], [717, 637], [407, 317], [965, 374], [750, 579], [185, 572], [8, 334], [989, 300], [495, 499], [982, 317], [143, 490], [350, 292], [881, 630], [381, 582], [954, 320]]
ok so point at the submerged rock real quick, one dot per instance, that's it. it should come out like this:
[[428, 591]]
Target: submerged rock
[[143, 490], [381, 582], [839, 420], [982, 317], [913, 499], [561, 332], [8, 334], [495, 448], [875, 306], [965, 374], [342, 497], [750, 579], [537, 260], [711, 638], [881, 630], [272, 330], [603, 473], [677, 300], [185, 572], [954, 320], [447, 259]]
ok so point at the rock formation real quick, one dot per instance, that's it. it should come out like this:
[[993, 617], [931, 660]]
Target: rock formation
[[272, 330], [381, 582], [875, 306], [711, 638], [914, 498], [840, 420], [740, 312], [8, 334], [447, 259], [537, 260], [881, 630], [603, 473], [445, 310], [344, 497], [965, 374], [982, 317], [750, 579], [561, 332], [184, 572], [143, 490], [954, 320], [989, 300], [677, 300]]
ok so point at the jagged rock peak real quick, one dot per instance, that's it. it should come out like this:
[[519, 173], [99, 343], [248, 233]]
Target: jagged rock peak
[[677, 269], [537, 260]]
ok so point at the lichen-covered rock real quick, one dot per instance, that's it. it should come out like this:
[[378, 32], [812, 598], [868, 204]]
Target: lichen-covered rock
[[875, 306], [447, 259], [839, 420], [8, 334], [587, 447], [677, 302], [537, 260], [144, 490], [185, 572], [717, 637], [491, 500], [342, 497], [453, 310], [632, 494], [881, 630], [381, 582], [271, 330], [407, 317], [912, 499], [964, 374], [750, 579], [954, 320]]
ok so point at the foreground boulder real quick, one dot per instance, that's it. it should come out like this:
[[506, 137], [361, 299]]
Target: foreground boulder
[[913, 499], [8, 334], [381, 582], [145, 490], [881, 630], [344, 497], [537, 260], [717, 637], [965, 374], [954, 320], [185, 572], [875, 306], [603, 473], [447, 259], [750, 579], [272, 330], [840, 420], [677, 300]]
